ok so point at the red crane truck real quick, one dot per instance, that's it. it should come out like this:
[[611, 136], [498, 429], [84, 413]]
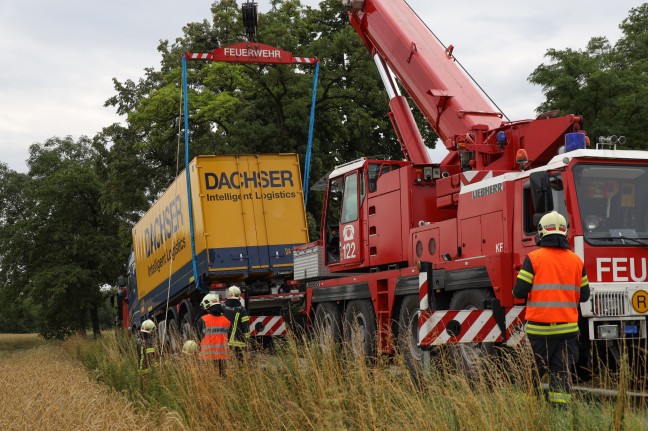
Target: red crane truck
[[422, 254]]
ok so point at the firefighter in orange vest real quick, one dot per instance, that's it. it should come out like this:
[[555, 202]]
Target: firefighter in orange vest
[[553, 280], [213, 328]]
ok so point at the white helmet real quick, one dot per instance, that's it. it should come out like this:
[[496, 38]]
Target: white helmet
[[209, 300], [148, 326], [552, 223], [234, 292], [190, 347]]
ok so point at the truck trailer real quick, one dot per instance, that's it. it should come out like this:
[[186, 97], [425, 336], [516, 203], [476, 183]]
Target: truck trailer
[[247, 214]]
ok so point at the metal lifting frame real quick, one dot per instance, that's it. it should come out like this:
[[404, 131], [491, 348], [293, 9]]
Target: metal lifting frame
[[245, 52]]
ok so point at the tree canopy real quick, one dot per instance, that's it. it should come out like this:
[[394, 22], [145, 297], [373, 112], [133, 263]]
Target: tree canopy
[[65, 224], [606, 84]]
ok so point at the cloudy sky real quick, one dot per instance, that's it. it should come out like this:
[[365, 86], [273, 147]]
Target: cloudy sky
[[58, 58]]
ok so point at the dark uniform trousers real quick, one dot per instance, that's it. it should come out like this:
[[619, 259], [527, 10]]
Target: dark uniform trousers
[[556, 354]]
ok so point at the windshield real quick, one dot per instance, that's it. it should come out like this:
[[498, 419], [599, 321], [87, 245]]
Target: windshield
[[613, 203]]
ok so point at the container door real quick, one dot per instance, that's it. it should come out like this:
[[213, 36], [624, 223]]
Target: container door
[[253, 228]]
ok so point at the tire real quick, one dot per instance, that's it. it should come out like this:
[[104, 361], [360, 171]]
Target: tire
[[162, 336], [360, 329], [407, 340], [467, 357], [174, 341], [187, 329], [328, 324]]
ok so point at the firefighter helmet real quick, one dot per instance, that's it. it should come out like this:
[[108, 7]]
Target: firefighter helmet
[[190, 347], [148, 326], [233, 292], [209, 300], [552, 223]]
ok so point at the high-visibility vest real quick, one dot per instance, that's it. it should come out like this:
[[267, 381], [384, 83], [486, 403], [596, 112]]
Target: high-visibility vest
[[146, 355], [558, 277], [214, 343], [233, 341]]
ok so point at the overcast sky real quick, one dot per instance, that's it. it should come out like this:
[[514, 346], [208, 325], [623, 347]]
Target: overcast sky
[[58, 58]]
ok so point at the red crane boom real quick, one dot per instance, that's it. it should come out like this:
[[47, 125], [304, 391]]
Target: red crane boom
[[453, 105]]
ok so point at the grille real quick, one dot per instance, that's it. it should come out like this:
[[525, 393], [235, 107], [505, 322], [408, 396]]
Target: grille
[[608, 303]]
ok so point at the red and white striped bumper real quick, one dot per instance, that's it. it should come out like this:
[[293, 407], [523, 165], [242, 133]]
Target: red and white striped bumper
[[469, 326], [269, 326]]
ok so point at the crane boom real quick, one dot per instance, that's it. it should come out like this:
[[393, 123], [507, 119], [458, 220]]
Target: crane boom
[[427, 70], [456, 109]]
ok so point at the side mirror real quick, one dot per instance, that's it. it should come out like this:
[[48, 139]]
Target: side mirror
[[541, 192]]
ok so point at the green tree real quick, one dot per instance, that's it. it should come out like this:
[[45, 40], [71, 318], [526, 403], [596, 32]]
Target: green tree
[[59, 244], [235, 108], [607, 85], [17, 313]]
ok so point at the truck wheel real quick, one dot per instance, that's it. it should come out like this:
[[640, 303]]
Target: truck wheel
[[360, 328], [187, 328], [468, 356], [173, 340], [327, 324], [408, 335]]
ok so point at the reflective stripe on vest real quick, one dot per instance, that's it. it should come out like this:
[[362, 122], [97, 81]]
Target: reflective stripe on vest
[[559, 397], [214, 343], [552, 329], [555, 294], [232, 340], [146, 358]]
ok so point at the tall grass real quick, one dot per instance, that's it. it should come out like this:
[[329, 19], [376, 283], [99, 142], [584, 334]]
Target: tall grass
[[305, 386]]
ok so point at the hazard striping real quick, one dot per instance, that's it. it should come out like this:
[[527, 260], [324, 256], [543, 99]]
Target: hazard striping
[[469, 326], [307, 60], [200, 55], [269, 326]]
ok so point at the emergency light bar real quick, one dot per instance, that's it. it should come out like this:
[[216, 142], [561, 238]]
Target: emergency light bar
[[575, 141]]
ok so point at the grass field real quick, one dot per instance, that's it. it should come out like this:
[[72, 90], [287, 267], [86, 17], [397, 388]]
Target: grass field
[[305, 387], [11, 342], [86, 384], [43, 388]]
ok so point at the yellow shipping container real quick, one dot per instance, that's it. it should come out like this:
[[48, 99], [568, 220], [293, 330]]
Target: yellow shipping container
[[248, 213]]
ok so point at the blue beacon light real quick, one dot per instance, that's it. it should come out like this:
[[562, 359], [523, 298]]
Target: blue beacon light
[[574, 141]]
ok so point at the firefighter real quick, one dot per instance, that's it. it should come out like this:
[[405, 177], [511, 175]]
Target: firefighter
[[213, 328], [553, 280], [146, 353], [237, 314], [145, 347]]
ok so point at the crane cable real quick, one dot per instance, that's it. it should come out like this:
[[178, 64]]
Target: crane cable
[[183, 98], [166, 310], [188, 178]]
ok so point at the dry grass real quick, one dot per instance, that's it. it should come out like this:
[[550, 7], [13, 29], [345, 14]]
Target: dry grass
[[305, 387], [42, 388], [11, 342]]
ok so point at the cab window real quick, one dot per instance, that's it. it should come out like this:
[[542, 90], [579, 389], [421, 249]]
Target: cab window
[[350, 199]]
